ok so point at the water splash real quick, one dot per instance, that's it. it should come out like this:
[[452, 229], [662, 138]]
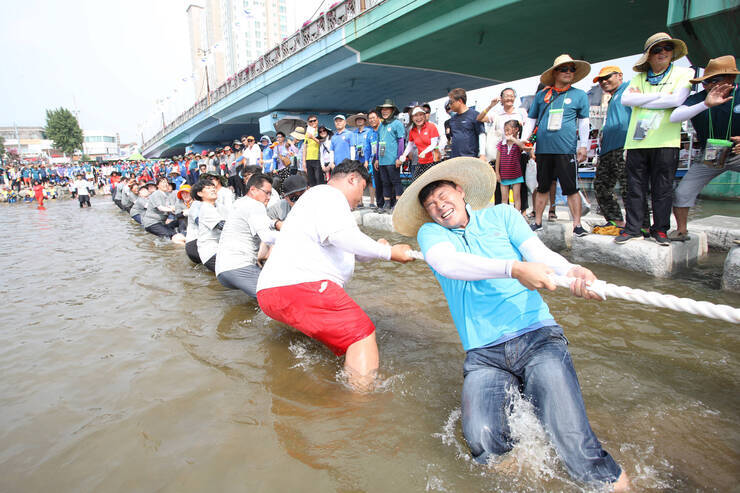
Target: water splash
[[305, 357]]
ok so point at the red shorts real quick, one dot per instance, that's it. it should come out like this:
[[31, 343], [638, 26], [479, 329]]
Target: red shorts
[[328, 315]]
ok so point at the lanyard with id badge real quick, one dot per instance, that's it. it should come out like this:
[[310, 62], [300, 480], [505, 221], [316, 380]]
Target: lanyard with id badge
[[651, 121], [717, 150], [555, 116]]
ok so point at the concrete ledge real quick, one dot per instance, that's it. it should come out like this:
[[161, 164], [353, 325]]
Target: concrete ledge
[[359, 214], [640, 256], [720, 230], [556, 235], [731, 275]]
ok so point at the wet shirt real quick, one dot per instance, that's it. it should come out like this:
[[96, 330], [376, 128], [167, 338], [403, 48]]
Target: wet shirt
[[239, 241], [192, 232], [614, 131], [139, 206], [720, 117], [489, 310], [153, 215], [341, 144], [388, 135], [465, 129], [661, 133], [574, 106]]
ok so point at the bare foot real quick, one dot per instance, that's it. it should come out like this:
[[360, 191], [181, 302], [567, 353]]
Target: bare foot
[[622, 484]]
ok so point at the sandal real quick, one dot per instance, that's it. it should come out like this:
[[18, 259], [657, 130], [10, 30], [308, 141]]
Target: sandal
[[551, 216]]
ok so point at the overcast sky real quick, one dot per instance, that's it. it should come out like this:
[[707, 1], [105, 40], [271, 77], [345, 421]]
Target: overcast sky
[[109, 59]]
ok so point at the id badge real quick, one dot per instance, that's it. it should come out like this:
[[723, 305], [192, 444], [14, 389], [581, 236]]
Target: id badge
[[716, 152], [359, 152], [645, 125], [555, 120], [374, 146], [381, 149]]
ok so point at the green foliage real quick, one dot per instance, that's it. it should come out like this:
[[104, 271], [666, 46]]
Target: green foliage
[[64, 130], [2, 145]]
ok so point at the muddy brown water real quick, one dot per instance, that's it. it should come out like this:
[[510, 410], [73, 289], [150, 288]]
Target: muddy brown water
[[126, 368]]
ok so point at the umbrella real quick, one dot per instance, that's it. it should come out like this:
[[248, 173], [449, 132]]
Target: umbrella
[[288, 124], [135, 157]]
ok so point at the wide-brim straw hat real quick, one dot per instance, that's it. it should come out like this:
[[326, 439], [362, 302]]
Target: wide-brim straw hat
[[352, 120], [388, 103], [299, 133], [724, 65], [679, 50], [582, 69], [473, 175]]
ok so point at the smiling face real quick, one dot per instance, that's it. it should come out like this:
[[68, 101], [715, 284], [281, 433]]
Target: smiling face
[[660, 56], [372, 118], [208, 194], [507, 98], [446, 206], [611, 82], [386, 113], [339, 124], [564, 74], [419, 118]]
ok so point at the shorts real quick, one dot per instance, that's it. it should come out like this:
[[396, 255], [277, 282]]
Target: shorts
[[244, 278], [697, 178], [321, 309], [560, 166]]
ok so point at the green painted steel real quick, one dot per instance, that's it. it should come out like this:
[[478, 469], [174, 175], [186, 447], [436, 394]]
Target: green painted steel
[[501, 39], [710, 28], [725, 186]]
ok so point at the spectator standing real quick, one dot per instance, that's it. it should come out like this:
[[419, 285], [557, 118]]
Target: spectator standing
[[652, 140], [390, 146], [310, 155], [468, 135], [559, 114], [715, 115], [424, 138]]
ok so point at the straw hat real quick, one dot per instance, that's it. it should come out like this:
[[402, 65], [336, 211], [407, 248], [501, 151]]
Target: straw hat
[[474, 176], [352, 120], [679, 50], [724, 65], [582, 69], [299, 133]]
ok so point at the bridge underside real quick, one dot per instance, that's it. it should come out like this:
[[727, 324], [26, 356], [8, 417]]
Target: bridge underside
[[419, 50]]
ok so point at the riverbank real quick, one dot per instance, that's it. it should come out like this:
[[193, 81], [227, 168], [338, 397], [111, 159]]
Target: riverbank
[[125, 367]]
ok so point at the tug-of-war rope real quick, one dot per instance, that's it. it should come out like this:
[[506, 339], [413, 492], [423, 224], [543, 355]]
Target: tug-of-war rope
[[605, 289]]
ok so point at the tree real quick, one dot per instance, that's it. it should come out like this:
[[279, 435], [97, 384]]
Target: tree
[[2, 146], [64, 130]]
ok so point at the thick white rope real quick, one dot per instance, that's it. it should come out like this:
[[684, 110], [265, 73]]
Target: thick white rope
[[605, 289]]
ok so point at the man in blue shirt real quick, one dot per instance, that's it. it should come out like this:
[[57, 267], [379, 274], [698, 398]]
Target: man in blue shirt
[[610, 169], [365, 136], [559, 114], [390, 147], [343, 141], [489, 264]]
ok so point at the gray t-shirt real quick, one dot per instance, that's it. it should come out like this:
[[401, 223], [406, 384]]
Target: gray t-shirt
[[279, 211], [139, 206], [153, 215]]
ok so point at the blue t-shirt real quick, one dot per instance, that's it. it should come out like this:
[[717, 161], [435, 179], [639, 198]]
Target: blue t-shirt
[[465, 129], [363, 149], [574, 104], [720, 117], [614, 131], [267, 156], [388, 135], [341, 144], [490, 310]]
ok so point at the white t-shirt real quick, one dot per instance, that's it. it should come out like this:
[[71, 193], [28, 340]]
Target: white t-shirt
[[302, 252], [252, 155], [239, 241], [82, 187], [224, 202], [208, 234], [192, 232]]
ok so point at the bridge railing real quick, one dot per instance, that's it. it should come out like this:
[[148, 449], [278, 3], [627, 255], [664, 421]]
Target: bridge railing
[[337, 15]]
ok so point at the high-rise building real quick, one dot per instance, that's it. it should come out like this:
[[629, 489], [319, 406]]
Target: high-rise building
[[228, 35]]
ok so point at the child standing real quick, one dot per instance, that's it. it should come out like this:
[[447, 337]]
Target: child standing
[[508, 167], [38, 191]]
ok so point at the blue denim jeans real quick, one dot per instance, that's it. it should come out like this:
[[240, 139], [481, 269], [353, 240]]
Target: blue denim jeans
[[539, 365]]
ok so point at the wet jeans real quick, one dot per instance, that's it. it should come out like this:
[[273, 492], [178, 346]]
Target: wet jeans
[[539, 365]]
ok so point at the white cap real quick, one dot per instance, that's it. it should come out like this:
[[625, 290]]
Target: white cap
[[339, 117]]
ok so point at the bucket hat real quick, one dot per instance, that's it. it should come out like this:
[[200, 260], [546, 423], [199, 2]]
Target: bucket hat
[[474, 176], [352, 120], [582, 69], [388, 103], [293, 184], [724, 65], [679, 50]]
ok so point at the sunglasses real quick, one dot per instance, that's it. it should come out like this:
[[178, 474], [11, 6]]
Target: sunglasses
[[566, 69], [606, 77], [250, 140], [295, 196], [713, 80], [312, 121], [658, 49]]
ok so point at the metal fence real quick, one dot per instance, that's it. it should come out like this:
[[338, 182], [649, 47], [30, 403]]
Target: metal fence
[[337, 15]]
